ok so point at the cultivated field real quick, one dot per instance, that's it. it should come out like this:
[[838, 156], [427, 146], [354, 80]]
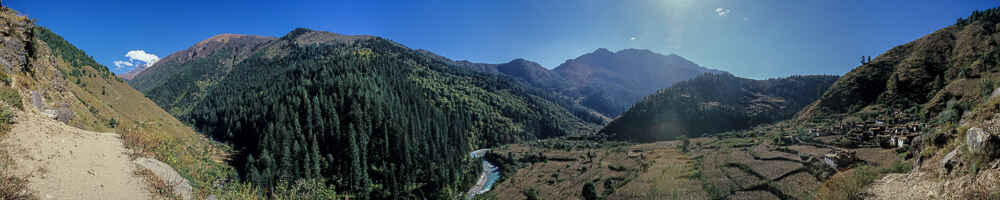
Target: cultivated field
[[708, 168]]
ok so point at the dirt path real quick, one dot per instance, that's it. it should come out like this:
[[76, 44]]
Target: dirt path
[[904, 186], [922, 185], [64, 162]]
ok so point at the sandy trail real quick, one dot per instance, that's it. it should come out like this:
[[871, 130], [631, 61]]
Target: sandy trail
[[904, 186], [64, 162]]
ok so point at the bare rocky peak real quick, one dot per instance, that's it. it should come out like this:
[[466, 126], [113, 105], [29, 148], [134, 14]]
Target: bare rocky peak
[[134, 72], [303, 36], [226, 37], [210, 45], [236, 44]]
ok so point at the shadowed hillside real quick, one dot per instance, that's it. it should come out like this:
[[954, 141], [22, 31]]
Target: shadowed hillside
[[714, 103]]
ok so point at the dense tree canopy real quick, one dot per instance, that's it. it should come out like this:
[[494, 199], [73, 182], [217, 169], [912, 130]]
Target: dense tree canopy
[[371, 117]]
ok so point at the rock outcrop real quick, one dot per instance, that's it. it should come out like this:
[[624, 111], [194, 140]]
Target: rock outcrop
[[951, 161], [166, 173], [978, 141]]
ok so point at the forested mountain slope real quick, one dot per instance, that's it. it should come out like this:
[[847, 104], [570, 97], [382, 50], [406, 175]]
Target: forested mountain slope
[[534, 77], [714, 103], [313, 105]]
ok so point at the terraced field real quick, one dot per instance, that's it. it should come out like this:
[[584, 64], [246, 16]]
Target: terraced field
[[738, 168], [558, 169], [751, 167]]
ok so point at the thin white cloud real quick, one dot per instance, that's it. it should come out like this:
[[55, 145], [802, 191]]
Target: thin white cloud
[[723, 11], [122, 64], [746, 19], [147, 59], [632, 38]]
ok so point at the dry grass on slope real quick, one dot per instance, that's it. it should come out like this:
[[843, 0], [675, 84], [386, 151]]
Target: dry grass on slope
[[12, 186], [101, 102]]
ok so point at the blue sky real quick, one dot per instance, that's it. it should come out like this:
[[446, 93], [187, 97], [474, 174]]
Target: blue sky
[[755, 39]]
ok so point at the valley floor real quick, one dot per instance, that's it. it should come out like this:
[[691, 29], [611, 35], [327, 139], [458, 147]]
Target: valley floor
[[702, 168], [64, 162]]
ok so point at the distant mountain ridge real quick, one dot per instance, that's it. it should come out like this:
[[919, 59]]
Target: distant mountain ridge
[[195, 68], [604, 81], [132, 73], [612, 81], [715, 103]]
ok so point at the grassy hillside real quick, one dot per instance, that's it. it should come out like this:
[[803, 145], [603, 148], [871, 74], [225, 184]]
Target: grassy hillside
[[957, 63], [48, 74], [714, 103]]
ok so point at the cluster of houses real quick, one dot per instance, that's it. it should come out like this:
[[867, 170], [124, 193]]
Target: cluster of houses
[[898, 131]]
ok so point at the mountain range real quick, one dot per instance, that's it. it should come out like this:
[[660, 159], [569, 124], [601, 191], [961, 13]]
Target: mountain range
[[603, 81], [370, 118]]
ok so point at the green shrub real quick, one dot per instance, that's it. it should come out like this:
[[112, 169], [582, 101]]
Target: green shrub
[[848, 186], [4, 78], [113, 123], [951, 113], [988, 86], [304, 189], [11, 97], [530, 194], [853, 183], [897, 167], [6, 119], [300, 189], [590, 192]]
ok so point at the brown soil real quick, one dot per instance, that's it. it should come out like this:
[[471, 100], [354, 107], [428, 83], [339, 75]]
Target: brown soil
[[64, 162]]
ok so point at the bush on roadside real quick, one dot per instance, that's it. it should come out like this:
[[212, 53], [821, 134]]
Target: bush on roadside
[[851, 184], [11, 97]]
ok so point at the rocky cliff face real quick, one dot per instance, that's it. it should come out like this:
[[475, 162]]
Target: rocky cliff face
[[16, 48]]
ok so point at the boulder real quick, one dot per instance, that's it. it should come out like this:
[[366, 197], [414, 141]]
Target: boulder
[[978, 141], [839, 159], [180, 185], [950, 162], [917, 143], [51, 114]]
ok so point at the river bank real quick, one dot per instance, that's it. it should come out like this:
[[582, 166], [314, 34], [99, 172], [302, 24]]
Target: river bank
[[487, 178]]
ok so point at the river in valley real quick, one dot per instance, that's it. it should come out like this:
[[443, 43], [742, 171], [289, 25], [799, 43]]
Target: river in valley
[[487, 178]]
